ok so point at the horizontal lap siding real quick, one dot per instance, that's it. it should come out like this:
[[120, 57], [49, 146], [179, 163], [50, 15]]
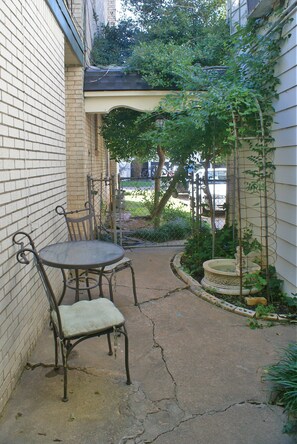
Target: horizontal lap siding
[[283, 212], [32, 170], [285, 135]]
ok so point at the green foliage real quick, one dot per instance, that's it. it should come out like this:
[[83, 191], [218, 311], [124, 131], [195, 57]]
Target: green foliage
[[177, 40], [136, 208], [173, 230], [249, 243], [200, 26], [274, 284], [254, 280], [173, 212], [161, 64], [226, 241], [264, 310], [236, 104], [198, 249], [190, 26], [135, 184], [113, 45], [123, 131], [254, 324], [283, 375], [291, 301]]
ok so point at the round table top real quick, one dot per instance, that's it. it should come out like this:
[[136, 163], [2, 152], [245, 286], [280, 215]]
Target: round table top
[[81, 254]]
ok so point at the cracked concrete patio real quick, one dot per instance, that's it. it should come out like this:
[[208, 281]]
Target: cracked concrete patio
[[197, 374]]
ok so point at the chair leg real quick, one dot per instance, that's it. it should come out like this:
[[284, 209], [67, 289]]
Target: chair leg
[[88, 284], [56, 346], [110, 285], [110, 353], [64, 360], [76, 286], [100, 284], [64, 287], [124, 332], [133, 285]]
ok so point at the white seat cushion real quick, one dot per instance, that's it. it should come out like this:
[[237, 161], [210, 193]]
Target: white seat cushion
[[111, 267], [85, 317]]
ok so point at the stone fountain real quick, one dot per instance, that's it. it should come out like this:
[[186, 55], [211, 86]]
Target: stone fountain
[[223, 275]]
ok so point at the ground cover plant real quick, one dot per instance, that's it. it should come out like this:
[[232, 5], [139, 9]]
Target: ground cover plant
[[136, 183], [176, 225], [202, 247], [283, 375], [199, 248]]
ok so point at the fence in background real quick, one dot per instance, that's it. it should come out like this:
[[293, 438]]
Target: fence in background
[[123, 207]]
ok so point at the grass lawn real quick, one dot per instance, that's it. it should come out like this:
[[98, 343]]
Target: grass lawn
[[137, 183], [135, 204], [136, 208]]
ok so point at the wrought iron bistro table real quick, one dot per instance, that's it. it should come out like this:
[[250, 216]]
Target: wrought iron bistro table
[[81, 255]]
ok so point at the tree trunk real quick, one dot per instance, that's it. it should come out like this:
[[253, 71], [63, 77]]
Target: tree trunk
[[157, 178], [209, 199], [156, 214], [161, 163]]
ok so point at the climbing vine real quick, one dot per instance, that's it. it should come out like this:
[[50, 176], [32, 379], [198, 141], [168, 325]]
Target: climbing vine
[[235, 112]]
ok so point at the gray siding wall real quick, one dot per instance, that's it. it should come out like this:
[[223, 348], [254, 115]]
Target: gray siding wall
[[285, 135], [283, 197]]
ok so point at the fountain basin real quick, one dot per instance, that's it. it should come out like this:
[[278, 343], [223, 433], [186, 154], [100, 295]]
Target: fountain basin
[[220, 276]]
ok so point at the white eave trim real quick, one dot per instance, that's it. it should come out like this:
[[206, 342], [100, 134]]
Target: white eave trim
[[104, 101]]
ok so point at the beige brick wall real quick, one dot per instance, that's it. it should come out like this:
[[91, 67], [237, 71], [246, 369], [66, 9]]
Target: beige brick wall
[[77, 155], [84, 153], [37, 93], [32, 170]]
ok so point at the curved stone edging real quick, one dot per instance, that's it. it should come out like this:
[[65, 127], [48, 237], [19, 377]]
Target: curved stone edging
[[197, 289]]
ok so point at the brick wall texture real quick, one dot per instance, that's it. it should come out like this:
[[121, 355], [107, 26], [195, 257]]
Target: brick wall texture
[[47, 147]]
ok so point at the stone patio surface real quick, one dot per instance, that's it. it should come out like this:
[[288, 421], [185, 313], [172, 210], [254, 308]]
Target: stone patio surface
[[197, 374]]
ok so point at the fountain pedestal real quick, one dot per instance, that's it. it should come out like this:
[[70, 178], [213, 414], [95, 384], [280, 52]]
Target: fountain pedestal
[[220, 276]]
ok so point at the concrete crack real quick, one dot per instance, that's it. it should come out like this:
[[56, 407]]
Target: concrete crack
[[85, 370], [168, 294], [193, 416], [157, 345], [30, 366], [168, 406]]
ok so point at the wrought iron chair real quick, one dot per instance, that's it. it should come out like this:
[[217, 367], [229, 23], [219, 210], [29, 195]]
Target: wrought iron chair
[[72, 324], [81, 225]]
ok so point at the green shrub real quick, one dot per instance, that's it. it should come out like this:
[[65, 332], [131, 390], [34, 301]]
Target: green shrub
[[173, 211], [283, 375], [264, 310], [173, 230], [198, 249]]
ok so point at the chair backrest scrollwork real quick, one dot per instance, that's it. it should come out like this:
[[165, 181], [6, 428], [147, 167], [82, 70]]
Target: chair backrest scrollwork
[[22, 255]]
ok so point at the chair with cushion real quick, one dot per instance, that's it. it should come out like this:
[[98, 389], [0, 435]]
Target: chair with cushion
[[75, 323], [82, 225]]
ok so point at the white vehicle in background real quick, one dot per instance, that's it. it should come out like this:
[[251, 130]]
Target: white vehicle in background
[[217, 183]]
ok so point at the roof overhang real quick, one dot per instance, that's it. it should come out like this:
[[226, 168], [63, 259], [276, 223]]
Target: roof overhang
[[74, 48], [114, 87], [104, 101]]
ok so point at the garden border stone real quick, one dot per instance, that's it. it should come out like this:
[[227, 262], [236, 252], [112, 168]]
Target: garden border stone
[[198, 290]]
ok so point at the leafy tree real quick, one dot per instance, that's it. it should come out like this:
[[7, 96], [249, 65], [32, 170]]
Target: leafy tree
[[175, 39], [162, 65], [123, 134], [113, 45], [184, 22], [127, 134]]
